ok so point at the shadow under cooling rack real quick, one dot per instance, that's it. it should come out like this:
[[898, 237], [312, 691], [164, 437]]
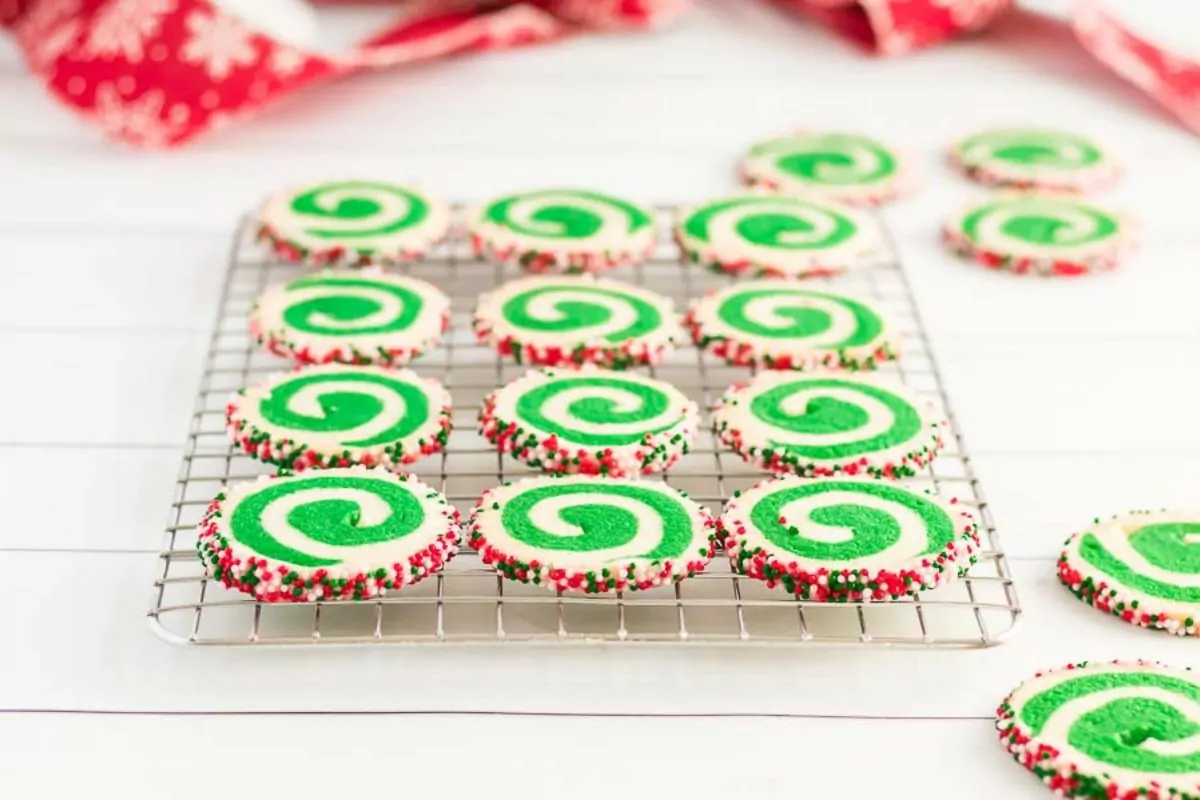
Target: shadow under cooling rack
[[468, 602]]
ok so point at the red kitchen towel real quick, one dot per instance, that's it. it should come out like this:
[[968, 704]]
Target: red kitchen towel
[[894, 27], [157, 73], [1171, 78]]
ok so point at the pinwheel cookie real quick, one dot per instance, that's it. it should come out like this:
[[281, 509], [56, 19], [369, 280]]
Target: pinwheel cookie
[[1123, 729], [577, 533], [1035, 159], [591, 421], [563, 230], [843, 167], [353, 222], [844, 539], [778, 236], [1043, 235], [553, 321], [346, 534]]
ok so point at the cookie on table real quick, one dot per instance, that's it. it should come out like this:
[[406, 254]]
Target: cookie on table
[[353, 222], [778, 236], [1035, 159], [843, 167], [577, 533], [818, 424], [1041, 234], [590, 421], [367, 317], [845, 539], [335, 415], [336, 534], [562, 230], [1143, 567], [577, 319], [778, 324], [1121, 729]]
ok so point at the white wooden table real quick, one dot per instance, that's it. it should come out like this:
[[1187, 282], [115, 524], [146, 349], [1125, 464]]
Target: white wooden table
[[1077, 397]]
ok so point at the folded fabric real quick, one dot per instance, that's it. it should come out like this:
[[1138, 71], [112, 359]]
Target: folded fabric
[[895, 27], [157, 73]]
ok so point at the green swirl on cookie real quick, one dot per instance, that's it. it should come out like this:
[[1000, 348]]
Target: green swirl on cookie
[[347, 300], [872, 530], [592, 413], [1042, 221], [807, 319], [1032, 149], [345, 409], [331, 521], [563, 214], [1129, 730], [598, 523], [832, 416], [780, 223], [574, 314], [1172, 547], [359, 209], [831, 159]]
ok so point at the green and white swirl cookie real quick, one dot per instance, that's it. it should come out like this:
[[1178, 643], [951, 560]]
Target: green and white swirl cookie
[[1032, 158], [335, 416], [1122, 730], [368, 317], [336, 534], [563, 230], [579, 319], [836, 166], [590, 421], [778, 236], [1143, 567], [353, 222], [1040, 234], [777, 324], [577, 533], [828, 424], [843, 539]]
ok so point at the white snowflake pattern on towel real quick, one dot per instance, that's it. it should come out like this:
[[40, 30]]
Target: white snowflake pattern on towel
[[137, 121], [219, 43], [123, 27]]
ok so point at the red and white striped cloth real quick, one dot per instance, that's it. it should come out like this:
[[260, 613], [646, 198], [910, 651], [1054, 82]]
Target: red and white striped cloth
[[157, 73]]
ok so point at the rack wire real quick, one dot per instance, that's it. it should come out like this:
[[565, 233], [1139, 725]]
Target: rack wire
[[468, 602]]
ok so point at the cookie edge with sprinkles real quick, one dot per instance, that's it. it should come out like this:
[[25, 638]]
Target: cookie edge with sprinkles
[[997, 174], [280, 342], [1044, 760], [820, 265], [240, 569], [1087, 584], [901, 183], [561, 579], [950, 563], [740, 353], [537, 449], [1104, 259], [618, 356], [285, 246], [290, 454], [773, 461], [498, 245]]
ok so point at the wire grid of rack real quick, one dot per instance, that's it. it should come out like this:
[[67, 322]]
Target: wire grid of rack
[[468, 601]]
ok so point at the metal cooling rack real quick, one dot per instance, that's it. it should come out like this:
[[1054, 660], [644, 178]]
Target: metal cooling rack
[[469, 602]]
